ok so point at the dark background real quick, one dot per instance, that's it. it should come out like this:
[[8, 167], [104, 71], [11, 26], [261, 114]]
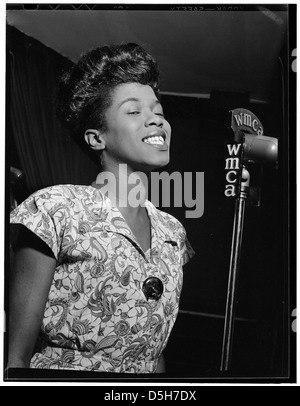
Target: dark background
[[262, 340]]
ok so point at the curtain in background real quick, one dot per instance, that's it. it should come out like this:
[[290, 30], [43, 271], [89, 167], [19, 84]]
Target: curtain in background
[[44, 149]]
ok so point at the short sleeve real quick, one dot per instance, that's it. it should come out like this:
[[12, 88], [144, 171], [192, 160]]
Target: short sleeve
[[185, 247], [43, 213]]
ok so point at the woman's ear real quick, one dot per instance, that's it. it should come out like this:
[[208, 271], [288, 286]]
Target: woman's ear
[[94, 139]]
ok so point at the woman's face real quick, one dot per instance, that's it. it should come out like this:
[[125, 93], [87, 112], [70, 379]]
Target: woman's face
[[137, 133]]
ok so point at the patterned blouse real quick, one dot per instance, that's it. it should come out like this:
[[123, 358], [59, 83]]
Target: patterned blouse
[[97, 317]]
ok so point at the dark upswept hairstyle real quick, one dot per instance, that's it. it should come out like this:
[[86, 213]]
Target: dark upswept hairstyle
[[84, 91]]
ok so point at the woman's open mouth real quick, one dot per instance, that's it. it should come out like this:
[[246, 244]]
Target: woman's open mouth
[[156, 139]]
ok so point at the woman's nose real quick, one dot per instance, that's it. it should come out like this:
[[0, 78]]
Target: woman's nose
[[154, 119]]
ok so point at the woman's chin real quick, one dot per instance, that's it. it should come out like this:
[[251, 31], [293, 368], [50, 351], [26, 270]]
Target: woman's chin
[[160, 163]]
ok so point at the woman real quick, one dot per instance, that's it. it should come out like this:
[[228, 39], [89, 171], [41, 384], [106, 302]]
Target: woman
[[96, 276]]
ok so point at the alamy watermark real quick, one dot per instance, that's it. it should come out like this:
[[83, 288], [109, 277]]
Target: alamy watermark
[[161, 188]]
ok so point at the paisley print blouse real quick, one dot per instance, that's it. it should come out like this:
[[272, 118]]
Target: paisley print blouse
[[97, 317]]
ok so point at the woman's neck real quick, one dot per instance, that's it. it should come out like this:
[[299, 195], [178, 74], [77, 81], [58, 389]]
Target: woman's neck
[[127, 189]]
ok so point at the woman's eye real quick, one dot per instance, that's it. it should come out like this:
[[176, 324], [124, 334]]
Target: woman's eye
[[160, 114], [134, 112]]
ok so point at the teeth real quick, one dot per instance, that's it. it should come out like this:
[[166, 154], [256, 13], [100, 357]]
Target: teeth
[[155, 140]]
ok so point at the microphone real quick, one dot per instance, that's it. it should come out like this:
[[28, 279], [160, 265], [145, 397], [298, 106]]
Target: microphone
[[260, 148]]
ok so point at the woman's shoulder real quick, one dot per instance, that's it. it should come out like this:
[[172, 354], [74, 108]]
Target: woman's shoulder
[[64, 190], [62, 197], [64, 193]]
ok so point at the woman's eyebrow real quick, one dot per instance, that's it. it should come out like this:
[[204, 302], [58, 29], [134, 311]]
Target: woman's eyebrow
[[135, 99], [129, 99]]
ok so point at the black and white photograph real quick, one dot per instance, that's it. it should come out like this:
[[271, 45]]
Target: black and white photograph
[[150, 196]]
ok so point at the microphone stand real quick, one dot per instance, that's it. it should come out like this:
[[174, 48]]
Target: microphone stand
[[236, 244]]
